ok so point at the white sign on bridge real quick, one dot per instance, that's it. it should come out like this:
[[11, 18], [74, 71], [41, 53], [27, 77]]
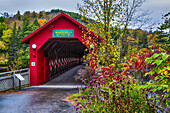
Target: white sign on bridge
[[19, 77]]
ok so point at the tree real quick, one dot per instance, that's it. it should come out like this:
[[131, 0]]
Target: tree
[[25, 18], [36, 23], [163, 38], [24, 28], [144, 41], [34, 14], [55, 10], [27, 13], [12, 45], [2, 46], [104, 13], [41, 14], [23, 54], [3, 26], [6, 36], [6, 15], [110, 13], [2, 19], [18, 15], [22, 34], [133, 16]]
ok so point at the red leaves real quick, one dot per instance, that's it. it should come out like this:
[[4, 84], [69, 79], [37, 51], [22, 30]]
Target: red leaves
[[125, 71], [116, 71], [138, 62], [153, 46], [130, 56], [129, 60], [143, 69], [107, 68], [104, 68], [95, 77], [126, 65]]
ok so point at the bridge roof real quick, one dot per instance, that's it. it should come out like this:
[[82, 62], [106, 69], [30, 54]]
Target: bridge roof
[[52, 20]]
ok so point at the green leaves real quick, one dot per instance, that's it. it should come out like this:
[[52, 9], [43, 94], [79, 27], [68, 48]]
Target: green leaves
[[155, 55], [148, 60], [164, 56], [149, 73], [158, 62], [157, 59], [156, 78]]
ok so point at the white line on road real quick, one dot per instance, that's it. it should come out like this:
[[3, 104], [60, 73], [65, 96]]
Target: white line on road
[[60, 86]]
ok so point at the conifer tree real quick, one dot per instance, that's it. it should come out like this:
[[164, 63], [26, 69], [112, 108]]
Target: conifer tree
[[2, 19], [40, 15], [12, 45], [144, 41], [36, 23], [164, 35]]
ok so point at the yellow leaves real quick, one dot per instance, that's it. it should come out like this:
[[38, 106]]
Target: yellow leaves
[[113, 64], [6, 35], [3, 26], [121, 35], [108, 44], [149, 36], [41, 21], [165, 72], [18, 23], [3, 61], [2, 46], [168, 67]]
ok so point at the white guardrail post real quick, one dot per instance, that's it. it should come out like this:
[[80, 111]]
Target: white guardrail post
[[13, 80]]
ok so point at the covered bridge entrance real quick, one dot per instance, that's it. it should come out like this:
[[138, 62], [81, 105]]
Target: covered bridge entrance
[[57, 46]]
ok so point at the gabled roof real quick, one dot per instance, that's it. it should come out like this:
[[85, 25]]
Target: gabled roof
[[52, 20]]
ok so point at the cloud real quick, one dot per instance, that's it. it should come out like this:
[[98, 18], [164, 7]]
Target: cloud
[[157, 5], [13, 6]]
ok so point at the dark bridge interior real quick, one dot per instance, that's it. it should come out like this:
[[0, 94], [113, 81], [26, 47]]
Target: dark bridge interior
[[64, 54]]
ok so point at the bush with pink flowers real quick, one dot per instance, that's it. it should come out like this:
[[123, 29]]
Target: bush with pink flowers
[[140, 85]]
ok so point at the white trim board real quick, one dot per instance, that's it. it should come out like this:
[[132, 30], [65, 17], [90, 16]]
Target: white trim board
[[60, 86]]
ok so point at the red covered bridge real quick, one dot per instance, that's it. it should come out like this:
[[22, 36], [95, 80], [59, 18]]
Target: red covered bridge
[[58, 45]]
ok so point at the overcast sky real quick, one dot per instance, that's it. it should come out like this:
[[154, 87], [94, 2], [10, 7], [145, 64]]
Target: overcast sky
[[158, 7], [12, 6]]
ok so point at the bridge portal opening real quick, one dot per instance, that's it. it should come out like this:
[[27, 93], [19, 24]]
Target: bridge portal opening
[[63, 54]]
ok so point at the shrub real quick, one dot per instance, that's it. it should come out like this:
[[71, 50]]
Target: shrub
[[140, 85], [84, 75]]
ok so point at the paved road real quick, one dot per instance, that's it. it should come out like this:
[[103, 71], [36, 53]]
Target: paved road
[[41, 100], [37, 101], [66, 78]]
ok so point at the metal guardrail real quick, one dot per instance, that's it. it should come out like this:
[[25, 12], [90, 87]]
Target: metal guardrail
[[11, 81]]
